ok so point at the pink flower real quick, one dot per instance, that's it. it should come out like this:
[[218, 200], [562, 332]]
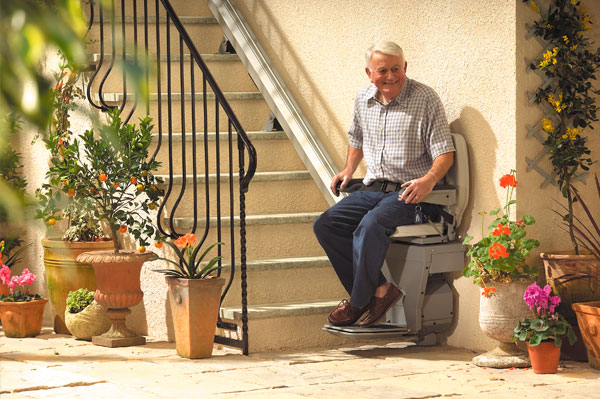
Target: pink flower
[[554, 301], [5, 275], [27, 278]]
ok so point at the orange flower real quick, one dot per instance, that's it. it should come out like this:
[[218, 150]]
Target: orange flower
[[186, 240], [508, 180], [501, 230], [102, 177], [488, 291], [67, 100], [498, 251]]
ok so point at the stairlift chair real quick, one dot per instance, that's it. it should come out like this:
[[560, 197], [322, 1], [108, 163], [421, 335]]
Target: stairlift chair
[[416, 261]]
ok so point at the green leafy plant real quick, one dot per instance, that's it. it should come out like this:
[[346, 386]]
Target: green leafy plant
[[54, 204], [571, 64], [79, 300], [546, 324], [188, 264], [500, 255], [113, 172]]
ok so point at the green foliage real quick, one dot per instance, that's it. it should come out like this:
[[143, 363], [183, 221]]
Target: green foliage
[[500, 255], [571, 65], [79, 300], [111, 172], [188, 264], [19, 296]]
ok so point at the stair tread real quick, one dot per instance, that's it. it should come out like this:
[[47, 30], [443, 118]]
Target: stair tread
[[262, 219], [95, 57], [304, 262], [152, 19], [258, 176], [253, 135], [230, 96], [283, 309]]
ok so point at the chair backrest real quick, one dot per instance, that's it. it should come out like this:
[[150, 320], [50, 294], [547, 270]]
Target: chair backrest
[[458, 176]]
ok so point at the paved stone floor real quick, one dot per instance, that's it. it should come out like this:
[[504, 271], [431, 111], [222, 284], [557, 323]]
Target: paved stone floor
[[58, 366]]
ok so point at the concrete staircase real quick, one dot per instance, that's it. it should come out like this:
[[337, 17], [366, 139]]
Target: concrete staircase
[[291, 285]]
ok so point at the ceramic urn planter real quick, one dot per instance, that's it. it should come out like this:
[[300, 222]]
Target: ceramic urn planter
[[117, 289], [64, 273], [588, 318], [22, 319], [194, 307], [498, 316]]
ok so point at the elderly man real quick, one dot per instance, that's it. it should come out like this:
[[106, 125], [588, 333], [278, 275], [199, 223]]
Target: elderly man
[[400, 129]]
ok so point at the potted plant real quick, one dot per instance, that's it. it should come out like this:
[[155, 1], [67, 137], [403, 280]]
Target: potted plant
[[545, 331], [570, 64], [84, 317], [72, 215], [110, 167], [498, 265], [21, 313], [194, 296]]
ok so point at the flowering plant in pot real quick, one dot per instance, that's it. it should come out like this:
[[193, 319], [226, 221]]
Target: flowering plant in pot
[[21, 312], [498, 265], [545, 331], [194, 296], [84, 317], [500, 255]]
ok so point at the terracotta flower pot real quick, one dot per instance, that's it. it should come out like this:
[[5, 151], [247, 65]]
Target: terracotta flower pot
[[118, 289], [498, 316], [544, 357], [559, 267], [64, 273], [194, 307], [588, 318], [22, 319]]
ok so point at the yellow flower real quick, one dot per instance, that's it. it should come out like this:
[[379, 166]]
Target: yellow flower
[[574, 2], [564, 136], [549, 26], [573, 47], [534, 7], [572, 133], [557, 104], [547, 125], [565, 39]]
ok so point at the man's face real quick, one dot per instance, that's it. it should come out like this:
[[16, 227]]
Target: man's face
[[387, 73]]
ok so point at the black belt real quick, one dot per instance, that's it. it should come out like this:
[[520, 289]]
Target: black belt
[[384, 186]]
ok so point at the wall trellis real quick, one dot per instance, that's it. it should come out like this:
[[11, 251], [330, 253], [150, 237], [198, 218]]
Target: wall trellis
[[536, 130]]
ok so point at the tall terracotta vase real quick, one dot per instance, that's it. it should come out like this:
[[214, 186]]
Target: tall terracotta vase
[[544, 357], [498, 317], [588, 318], [22, 319], [64, 273], [560, 268], [194, 308], [118, 289]]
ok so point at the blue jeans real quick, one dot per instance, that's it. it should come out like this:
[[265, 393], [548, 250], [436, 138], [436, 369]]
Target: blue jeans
[[355, 236]]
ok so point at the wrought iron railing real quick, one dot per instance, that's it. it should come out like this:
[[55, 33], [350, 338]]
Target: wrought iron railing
[[116, 42]]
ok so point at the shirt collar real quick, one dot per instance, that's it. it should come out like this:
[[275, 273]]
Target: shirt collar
[[401, 99]]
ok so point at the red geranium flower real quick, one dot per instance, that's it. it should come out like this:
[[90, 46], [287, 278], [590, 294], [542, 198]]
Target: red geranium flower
[[508, 180], [488, 291], [498, 251], [501, 230]]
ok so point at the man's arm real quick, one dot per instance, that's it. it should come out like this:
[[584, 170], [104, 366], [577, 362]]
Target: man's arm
[[352, 160], [418, 189]]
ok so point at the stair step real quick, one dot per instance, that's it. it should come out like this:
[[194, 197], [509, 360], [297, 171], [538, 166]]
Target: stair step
[[174, 57], [224, 136], [286, 309], [229, 96], [253, 220], [258, 177], [161, 19], [303, 262]]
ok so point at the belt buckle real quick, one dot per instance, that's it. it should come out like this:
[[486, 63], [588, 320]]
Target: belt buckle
[[384, 186]]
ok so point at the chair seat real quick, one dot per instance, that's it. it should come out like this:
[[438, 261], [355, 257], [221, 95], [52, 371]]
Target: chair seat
[[418, 230]]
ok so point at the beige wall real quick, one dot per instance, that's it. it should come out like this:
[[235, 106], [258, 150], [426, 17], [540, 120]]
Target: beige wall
[[471, 53]]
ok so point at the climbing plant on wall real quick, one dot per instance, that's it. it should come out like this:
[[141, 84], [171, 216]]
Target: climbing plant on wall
[[567, 66]]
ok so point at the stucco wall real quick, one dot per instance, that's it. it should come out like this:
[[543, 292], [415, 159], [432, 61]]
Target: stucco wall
[[471, 53]]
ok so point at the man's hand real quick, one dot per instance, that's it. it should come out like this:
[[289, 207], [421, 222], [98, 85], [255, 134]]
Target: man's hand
[[417, 189], [344, 176]]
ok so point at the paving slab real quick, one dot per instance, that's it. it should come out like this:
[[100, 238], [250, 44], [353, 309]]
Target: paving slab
[[59, 366]]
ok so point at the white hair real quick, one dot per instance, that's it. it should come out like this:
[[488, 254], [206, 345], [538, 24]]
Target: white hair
[[385, 47]]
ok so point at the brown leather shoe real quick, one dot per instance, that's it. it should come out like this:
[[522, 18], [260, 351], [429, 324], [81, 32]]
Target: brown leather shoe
[[379, 306], [345, 314]]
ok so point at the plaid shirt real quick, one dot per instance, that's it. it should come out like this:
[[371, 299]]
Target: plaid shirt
[[400, 140]]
